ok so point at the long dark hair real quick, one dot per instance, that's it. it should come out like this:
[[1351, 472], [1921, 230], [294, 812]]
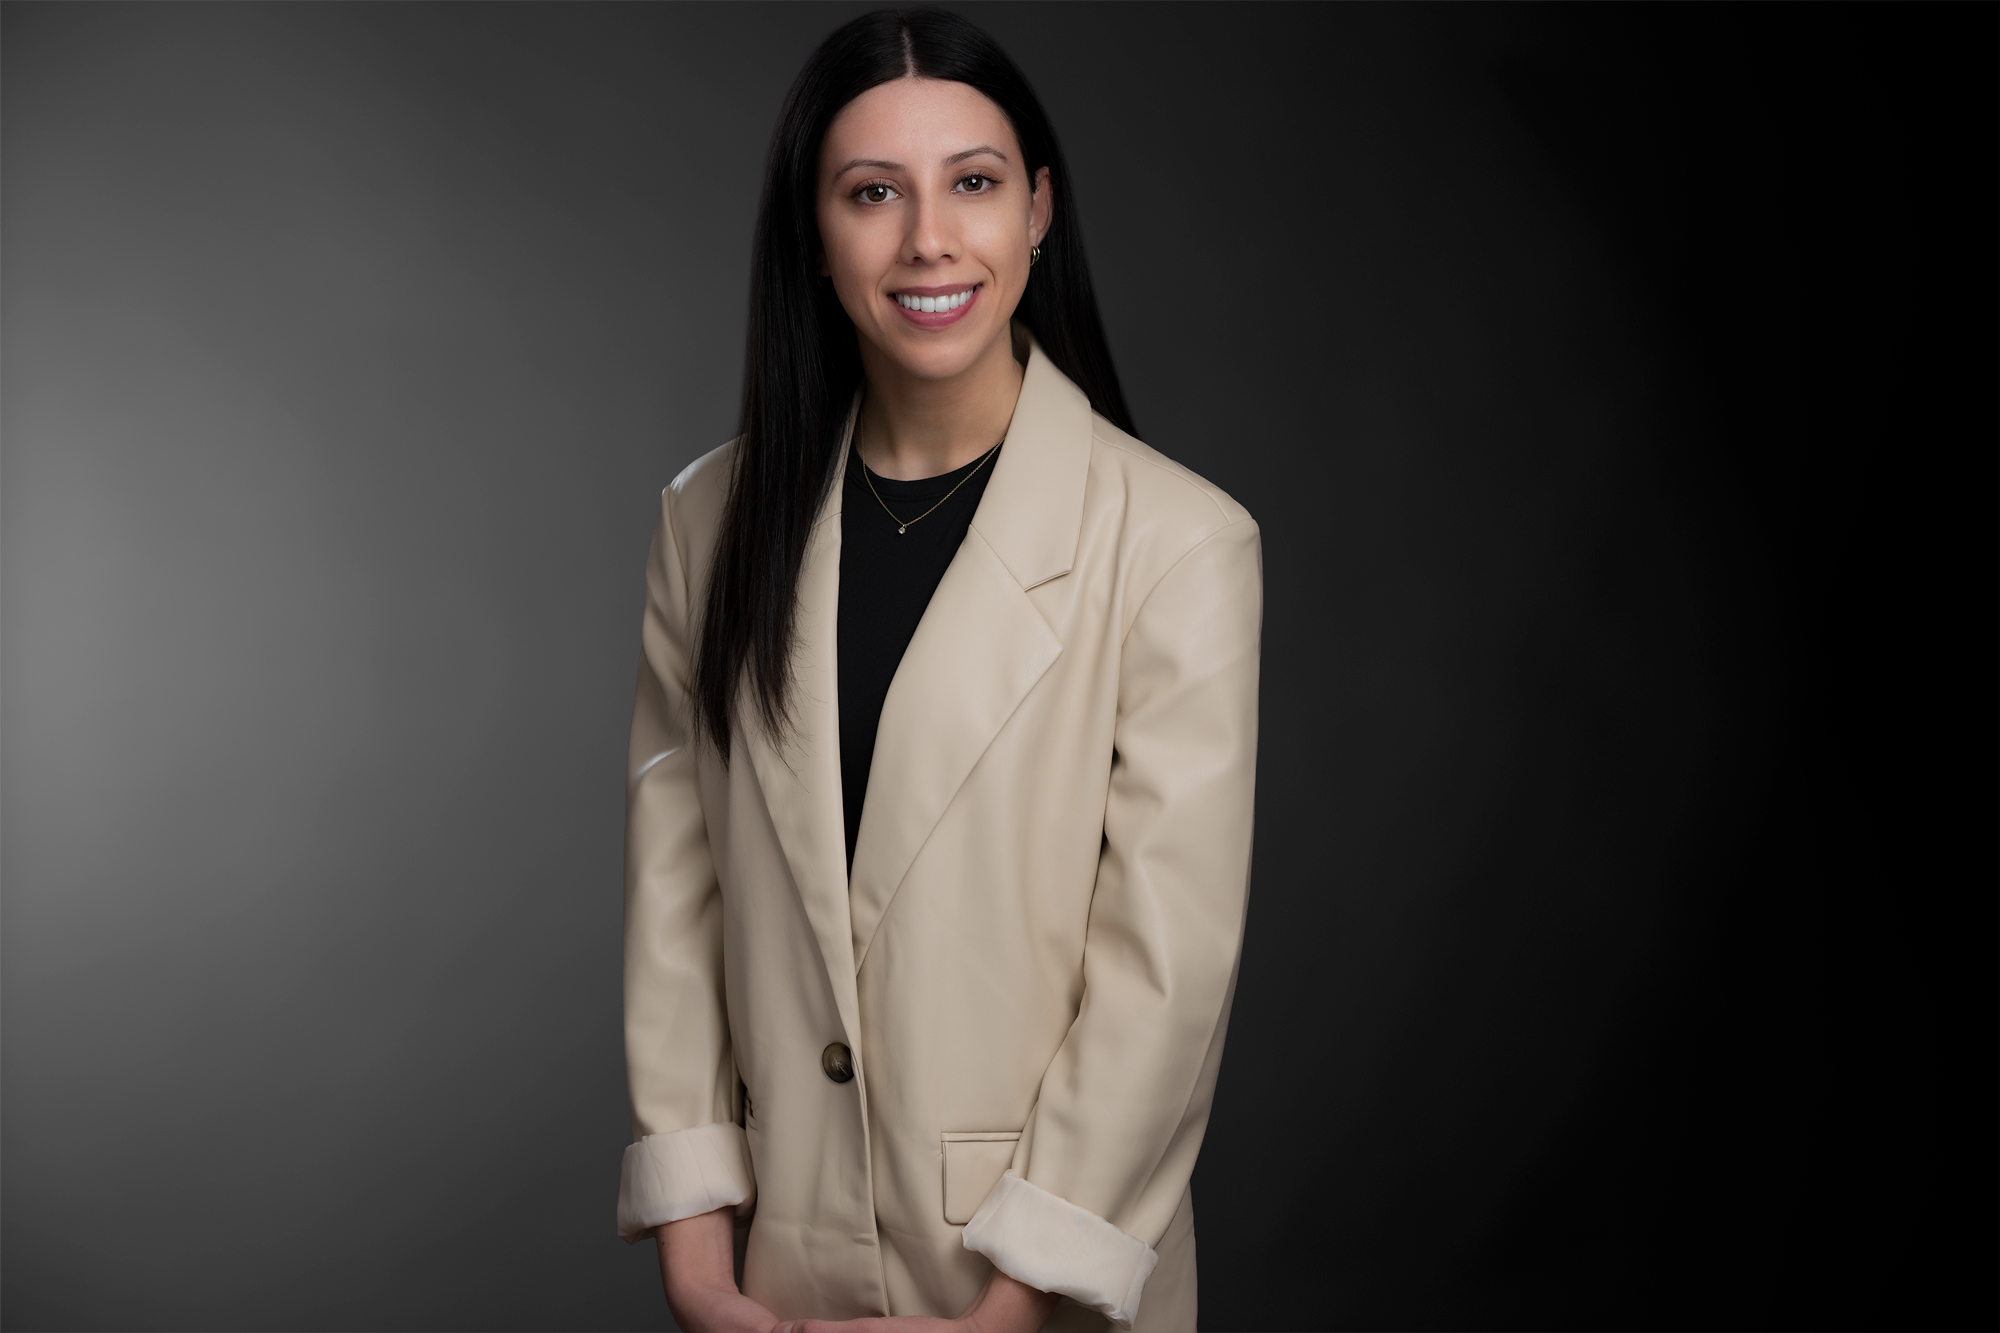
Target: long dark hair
[[803, 363]]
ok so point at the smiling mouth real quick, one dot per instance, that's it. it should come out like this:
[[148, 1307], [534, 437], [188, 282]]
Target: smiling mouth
[[935, 305]]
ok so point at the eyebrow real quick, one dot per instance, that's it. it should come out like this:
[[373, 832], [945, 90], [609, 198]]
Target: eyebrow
[[881, 165]]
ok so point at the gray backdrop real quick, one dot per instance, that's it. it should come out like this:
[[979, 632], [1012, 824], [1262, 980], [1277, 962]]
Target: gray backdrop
[[346, 350]]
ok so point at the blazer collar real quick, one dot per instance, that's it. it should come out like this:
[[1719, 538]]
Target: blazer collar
[[980, 647], [800, 778], [1032, 512], [982, 644]]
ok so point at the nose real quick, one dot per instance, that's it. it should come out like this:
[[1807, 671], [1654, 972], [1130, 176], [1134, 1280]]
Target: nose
[[932, 238]]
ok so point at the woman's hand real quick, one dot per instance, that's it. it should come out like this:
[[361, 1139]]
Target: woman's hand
[[698, 1269], [1003, 1306]]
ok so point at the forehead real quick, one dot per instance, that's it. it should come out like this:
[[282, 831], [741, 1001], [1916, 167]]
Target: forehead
[[918, 123]]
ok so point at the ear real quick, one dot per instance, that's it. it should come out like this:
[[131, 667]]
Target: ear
[[1041, 208]]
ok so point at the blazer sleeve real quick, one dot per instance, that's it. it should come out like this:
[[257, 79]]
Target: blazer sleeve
[[1105, 1158], [689, 1155]]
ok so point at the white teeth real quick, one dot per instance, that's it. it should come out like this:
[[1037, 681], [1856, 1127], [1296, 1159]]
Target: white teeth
[[932, 305]]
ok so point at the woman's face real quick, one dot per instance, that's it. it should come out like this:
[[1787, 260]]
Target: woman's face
[[924, 201]]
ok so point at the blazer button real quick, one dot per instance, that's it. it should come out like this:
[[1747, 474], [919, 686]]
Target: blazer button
[[838, 1062]]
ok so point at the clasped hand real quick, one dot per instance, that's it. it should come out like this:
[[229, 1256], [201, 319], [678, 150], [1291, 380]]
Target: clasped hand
[[698, 1269]]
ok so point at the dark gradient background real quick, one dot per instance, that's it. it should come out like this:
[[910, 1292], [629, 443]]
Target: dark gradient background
[[1615, 388]]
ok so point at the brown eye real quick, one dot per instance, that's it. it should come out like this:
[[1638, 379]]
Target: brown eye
[[974, 184], [875, 194]]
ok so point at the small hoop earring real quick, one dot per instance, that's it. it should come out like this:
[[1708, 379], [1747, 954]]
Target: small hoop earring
[[1034, 255]]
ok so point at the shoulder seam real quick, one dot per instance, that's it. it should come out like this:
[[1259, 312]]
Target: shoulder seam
[[1168, 572]]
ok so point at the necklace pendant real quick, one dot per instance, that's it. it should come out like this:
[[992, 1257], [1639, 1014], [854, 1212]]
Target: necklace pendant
[[901, 531]]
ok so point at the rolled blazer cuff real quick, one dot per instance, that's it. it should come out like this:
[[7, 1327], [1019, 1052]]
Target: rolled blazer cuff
[[683, 1174], [1049, 1243]]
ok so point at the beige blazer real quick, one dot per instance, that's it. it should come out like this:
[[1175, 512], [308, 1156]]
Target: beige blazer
[[1032, 962]]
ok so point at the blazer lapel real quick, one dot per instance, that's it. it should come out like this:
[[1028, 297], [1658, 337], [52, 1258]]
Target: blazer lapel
[[981, 645], [801, 781]]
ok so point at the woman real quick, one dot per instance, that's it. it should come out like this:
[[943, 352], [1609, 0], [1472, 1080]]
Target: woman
[[941, 767]]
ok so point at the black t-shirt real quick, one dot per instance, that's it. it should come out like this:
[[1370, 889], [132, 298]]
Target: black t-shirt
[[886, 581]]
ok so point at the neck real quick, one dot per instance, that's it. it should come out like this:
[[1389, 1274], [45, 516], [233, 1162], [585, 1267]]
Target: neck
[[911, 428]]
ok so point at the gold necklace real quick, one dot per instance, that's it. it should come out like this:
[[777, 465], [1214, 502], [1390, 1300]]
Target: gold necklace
[[903, 527]]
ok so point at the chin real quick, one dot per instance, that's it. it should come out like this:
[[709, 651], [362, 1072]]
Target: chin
[[936, 359]]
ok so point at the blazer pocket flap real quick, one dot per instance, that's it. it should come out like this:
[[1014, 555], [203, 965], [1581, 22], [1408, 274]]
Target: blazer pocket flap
[[973, 1165]]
